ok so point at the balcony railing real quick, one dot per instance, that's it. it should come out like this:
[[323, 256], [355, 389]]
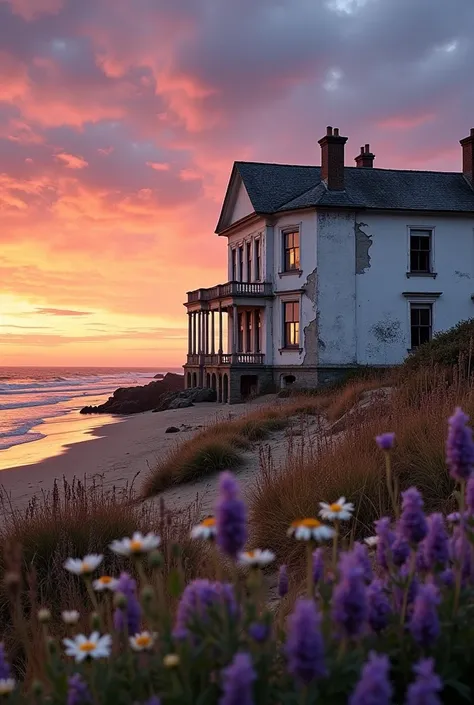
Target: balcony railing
[[231, 289], [240, 358]]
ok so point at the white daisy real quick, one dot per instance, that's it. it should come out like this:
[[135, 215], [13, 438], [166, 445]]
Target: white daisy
[[340, 510], [256, 558], [206, 529], [142, 641], [7, 685], [105, 582], [84, 566], [136, 545], [371, 541], [310, 530], [171, 661], [70, 616], [94, 646]]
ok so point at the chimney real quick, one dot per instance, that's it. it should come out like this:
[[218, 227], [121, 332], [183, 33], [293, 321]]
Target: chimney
[[468, 157], [365, 158], [332, 159]]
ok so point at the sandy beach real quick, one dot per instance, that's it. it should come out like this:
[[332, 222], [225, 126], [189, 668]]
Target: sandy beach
[[119, 451]]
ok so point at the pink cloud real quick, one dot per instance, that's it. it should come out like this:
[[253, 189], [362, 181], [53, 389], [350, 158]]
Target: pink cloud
[[71, 161], [32, 9], [159, 166]]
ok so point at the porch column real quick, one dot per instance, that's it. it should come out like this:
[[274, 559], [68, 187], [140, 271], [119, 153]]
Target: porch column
[[235, 329], [190, 334], [193, 318], [220, 329], [206, 333], [213, 334], [199, 333]]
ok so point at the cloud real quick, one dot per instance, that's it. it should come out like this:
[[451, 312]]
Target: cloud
[[71, 161], [158, 166], [61, 312]]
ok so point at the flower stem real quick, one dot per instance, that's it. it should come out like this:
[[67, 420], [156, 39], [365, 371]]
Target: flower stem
[[392, 491], [309, 569], [335, 542], [411, 573], [457, 588]]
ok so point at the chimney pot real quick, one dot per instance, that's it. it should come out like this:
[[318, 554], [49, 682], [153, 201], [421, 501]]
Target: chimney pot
[[365, 158], [332, 159], [329, 130], [468, 157]]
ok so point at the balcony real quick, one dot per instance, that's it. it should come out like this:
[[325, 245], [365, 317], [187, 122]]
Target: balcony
[[239, 358], [231, 289]]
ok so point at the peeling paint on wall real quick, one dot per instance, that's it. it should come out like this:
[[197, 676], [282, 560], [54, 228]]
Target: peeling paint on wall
[[385, 332], [311, 343], [309, 287], [363, 243], [462, 275]]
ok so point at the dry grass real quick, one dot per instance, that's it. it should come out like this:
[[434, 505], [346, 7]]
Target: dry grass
[[350, 464], [72, 521]]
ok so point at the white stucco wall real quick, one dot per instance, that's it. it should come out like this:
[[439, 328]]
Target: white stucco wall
[[383, 325], [242, 206]]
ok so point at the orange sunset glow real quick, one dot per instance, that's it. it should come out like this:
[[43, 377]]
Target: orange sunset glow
[[120, 121]]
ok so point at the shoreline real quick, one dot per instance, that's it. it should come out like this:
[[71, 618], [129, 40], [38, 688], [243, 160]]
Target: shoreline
[[118, 450]]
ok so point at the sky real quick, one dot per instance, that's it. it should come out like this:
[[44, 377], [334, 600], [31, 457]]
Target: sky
[[120, 121]]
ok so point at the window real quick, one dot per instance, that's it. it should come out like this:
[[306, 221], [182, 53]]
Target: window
[[258, 257], [420, 251], [258, 330], [421, 324], [241, 264], [241, 333], [234, 265], [291, 317], [248, 331], [291, 246], [249, 261]]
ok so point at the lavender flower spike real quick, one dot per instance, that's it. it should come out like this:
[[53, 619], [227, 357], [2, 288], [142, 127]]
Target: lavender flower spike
[[385, 539], [374, 686], [361, 555], [412, 525], [231, 516], [128, 618], [459, 446], [78, 692], [424, 623], [379, 605], [385, 441], [282, 581], [435, 546], [425, 689], [349, 598], [304, 646], [238, 681]]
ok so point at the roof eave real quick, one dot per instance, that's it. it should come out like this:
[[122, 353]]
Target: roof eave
[[246, 220]]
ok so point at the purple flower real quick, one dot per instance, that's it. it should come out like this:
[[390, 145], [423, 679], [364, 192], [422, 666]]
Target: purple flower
[[349, 598], [77, 691], [318, 565], [154, 700], [400, 550], [198, 600], [305, 646], [385, 541], [425, 689], [424, 623], [282, 581], [231, 516], [459, 446], [379, 605], [399, 592], [129, 617], [238, 678], [412, 525], [446, 577], [385, 441], [460, 551], [435, 546], [5, 670], [374, 686], [361, 555], [259, 632]]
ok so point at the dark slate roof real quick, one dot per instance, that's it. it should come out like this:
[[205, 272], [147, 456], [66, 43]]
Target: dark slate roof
[[279, 187]]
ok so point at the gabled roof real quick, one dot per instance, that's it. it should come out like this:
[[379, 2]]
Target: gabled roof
[[274, 188]]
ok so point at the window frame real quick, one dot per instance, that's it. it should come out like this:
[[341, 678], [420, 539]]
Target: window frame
[[285, 232], [240, 262], [249, 260], [258, 259], [233, 264], [420, 306], [296, 335], [423, 232], [258, 331]]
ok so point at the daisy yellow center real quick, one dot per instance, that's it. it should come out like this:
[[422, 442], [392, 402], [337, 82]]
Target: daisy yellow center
[[88, 646], [86, 568], [335, 507], [250, 554], [309, 523], [143, 640], [105, 580], [136, 545], [209, 522]]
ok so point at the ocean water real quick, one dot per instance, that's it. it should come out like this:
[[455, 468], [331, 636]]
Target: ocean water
[[31, 395]]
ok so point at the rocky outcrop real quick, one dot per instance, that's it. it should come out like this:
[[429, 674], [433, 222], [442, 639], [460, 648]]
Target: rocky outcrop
[[133, 400], [160, 375], [185, 398]]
